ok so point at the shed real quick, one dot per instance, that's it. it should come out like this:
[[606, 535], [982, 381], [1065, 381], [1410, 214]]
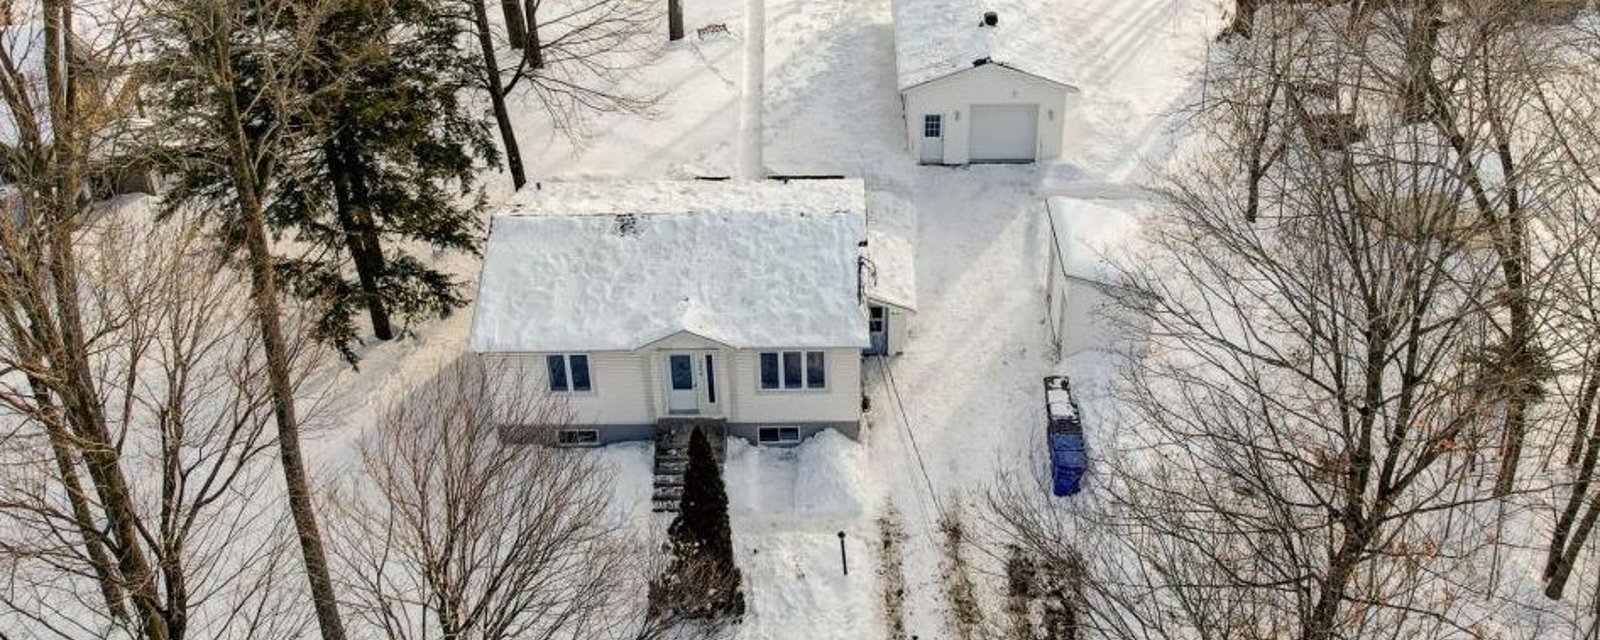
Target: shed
[[982, 82], [1080, 292], [889, 272]]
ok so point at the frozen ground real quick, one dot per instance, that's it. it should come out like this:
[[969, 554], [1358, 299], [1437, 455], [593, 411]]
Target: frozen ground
[[808, 87]]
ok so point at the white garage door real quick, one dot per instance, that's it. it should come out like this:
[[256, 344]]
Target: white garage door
[[1004, 132]]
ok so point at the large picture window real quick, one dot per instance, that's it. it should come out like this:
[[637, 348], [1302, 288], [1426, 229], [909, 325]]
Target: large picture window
[[568, 373], [794, 370]]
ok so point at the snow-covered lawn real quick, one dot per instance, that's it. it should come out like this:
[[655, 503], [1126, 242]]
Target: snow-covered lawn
[[824, 102]]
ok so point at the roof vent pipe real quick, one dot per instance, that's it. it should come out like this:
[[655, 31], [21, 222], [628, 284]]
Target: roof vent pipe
[[990, 19]]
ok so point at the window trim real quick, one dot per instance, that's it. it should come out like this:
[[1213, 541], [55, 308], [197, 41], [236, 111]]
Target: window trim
[[933, 122], [593, 438], [778, 439], [805, 386], [566, 362]]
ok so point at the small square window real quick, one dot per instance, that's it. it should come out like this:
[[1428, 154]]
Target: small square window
[[816, 370], [791, 369], [577, 437], [932, 126]]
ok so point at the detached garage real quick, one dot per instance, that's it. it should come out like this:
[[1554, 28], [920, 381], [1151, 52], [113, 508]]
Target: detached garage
[[970, 88]]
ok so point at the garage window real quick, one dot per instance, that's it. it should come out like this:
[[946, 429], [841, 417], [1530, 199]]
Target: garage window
[[933, 126]]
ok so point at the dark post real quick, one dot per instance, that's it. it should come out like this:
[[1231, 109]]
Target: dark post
[[844, 562], [674, 19]]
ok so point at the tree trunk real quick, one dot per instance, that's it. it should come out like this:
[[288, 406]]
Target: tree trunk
[[264, 297], [1243, 23], [66, 466], [674, 19], [1565, 541], [502, 115], [361, 239], [1421, 47], [1556, 578], [71, 367], [516, 26], [535, 50]]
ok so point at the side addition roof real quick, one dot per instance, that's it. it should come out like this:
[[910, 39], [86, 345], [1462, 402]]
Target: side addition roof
[[615, 266]]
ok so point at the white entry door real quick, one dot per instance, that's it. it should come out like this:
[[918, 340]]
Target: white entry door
[[931, 149], [1004, 132], [683, 395]]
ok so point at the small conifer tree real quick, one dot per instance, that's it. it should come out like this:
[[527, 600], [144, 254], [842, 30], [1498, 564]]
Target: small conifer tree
[[703, 581]]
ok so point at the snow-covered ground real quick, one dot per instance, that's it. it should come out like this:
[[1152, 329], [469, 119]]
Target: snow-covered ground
[[808, 87]]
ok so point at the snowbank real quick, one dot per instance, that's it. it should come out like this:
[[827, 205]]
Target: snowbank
[[823, 479]]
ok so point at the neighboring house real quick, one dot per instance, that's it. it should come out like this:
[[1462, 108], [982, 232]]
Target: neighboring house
[[738, 306], [117, 163], [981, 85], [1080, 298]]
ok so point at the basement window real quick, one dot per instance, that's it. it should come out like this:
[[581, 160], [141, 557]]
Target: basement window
[[778, 435], [578, 437]]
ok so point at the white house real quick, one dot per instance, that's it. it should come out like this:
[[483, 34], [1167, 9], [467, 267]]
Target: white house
[[1079, 292], [981, 81], [734, 304]]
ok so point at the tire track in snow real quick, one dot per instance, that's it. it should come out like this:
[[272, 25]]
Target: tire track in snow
[[755, 71]]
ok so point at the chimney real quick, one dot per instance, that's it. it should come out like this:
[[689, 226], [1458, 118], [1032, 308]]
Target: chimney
[[990, 19]]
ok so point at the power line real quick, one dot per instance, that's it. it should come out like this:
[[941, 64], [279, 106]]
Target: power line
[[894, 390]]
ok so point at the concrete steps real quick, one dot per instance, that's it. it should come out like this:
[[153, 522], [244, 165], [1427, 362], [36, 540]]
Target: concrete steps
[[672, 457]]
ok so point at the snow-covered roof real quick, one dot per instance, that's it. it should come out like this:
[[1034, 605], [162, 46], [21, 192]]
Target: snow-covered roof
[[936, 38], [615, 266], [1086, 233], [891, 250]]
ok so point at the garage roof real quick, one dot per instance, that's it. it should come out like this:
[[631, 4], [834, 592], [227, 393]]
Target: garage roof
[[616, 266], [937, 38], [1087, 232]]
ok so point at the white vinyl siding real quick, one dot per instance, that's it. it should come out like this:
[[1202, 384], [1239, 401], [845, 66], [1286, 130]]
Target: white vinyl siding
[[628, 388], [838, 401], [620, 383], [956, 94]]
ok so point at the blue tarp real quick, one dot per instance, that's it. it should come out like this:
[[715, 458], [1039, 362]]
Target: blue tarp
[[1068, 461]]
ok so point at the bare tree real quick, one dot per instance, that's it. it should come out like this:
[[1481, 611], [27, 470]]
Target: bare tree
[[58, 104], [447, 531], [576, 51], [184, 389], [197, 44]]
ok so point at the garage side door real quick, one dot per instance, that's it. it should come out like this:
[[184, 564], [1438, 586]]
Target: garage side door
[[1004, 132]]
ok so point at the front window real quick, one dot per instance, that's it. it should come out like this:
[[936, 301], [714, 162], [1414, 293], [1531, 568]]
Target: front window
[[875, 319], [568, 373], [933, 126], [794, 370]]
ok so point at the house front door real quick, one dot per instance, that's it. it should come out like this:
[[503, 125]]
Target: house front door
[[683, 395]]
